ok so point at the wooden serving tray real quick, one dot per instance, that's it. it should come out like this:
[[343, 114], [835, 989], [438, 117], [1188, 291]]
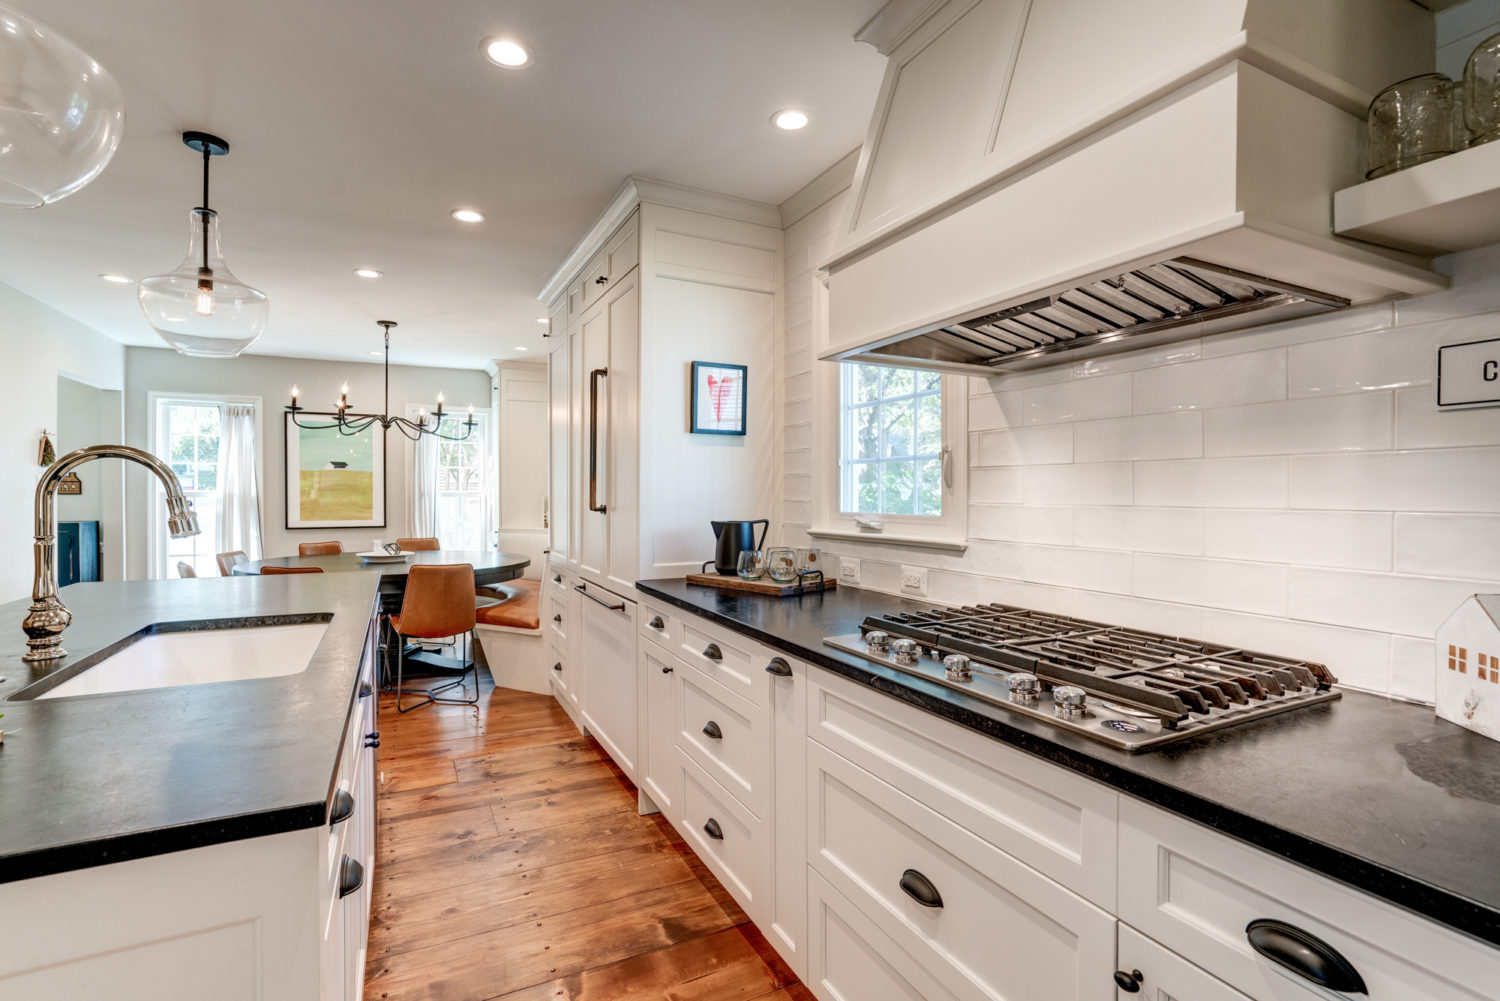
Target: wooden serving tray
[[763, 586]]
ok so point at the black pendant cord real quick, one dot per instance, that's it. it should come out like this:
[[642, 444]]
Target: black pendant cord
[[207, 152]]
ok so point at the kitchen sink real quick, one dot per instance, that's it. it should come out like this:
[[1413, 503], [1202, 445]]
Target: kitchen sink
[[169, 655]]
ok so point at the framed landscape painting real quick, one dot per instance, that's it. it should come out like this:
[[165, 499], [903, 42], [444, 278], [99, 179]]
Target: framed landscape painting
[[718, 403], [334, 480]]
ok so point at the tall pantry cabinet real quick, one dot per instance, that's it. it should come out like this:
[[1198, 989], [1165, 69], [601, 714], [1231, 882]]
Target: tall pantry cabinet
[[667, 276]]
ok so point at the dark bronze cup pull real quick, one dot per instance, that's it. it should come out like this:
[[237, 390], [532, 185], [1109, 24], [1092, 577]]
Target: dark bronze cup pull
[[779, 667], [712, 652], [657, 623], [713, 830], [351, 876], [557, 666], [1130, 982], [711, 729], [919, 888], [557, 618], [343, 808], [1305, 955]]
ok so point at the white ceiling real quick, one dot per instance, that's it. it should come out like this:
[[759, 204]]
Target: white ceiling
[[357, 125]]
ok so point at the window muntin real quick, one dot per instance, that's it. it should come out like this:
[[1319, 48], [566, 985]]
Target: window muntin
[[462, 500], [188, 434], [890, 441]]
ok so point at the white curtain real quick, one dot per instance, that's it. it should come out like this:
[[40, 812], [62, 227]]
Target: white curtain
[[239, 504], [422, 489]]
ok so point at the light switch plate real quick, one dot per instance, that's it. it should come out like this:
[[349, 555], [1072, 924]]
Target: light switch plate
[[1469, 374], [913, 579], [848, 570]]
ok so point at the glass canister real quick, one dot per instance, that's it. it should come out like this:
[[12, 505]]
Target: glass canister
[[1411, 122], [1482, 92], [781, 564]]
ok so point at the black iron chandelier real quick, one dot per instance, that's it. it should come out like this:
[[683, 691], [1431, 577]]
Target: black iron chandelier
[[347, 422]]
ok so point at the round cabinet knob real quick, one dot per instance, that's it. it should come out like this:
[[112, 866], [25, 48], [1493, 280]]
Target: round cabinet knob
[[1129, 982], [1069, 700], [877, 642], [904, 652], [956, 667], [1024, 687]]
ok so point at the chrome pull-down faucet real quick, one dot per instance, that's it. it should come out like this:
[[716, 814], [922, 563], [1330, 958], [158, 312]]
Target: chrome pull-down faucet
[[48, 616]]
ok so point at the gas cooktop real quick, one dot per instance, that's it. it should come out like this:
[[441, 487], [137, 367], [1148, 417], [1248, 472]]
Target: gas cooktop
[[1132, 689]]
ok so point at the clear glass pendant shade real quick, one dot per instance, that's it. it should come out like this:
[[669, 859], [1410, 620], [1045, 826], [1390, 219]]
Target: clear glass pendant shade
[[201, 309], [61, 114]]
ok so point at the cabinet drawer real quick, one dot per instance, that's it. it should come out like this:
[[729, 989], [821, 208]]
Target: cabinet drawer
[[738, 758], [1195, 891], [999, 929], [849, 959], [556, 621], [737, 855], [725, 657], [595, 279], [660, 625], [1166, 976], [1055, 821]]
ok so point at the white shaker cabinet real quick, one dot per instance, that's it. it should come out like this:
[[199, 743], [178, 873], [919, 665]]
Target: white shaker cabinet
[[610, 695]]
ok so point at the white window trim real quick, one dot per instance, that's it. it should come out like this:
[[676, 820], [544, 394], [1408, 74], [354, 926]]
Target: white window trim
[[156, 522], [946, 534], [487, 419]]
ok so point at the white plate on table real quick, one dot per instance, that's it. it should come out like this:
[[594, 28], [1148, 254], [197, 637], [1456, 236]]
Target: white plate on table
[[380, 556]]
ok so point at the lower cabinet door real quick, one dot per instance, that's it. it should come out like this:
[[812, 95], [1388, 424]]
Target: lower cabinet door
[[729, 839], [1162, 975], [985, 926], [661, 772], [606, 660], [849, 959]]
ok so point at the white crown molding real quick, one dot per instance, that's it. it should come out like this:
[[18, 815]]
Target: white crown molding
[[820, 189], [894, 23], [632, 193]]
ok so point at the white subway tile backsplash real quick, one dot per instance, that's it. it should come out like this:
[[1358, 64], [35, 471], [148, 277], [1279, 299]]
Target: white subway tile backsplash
[[1358, 658], [1153, 436], [1386, 359], [1244, 587], [1463, 479], [1474, 290], [1000, 485], [1412, 606], [1068, 566], [1078, 400], [1257, 377], [1087, 483], [1315, 328], [1420, 424], [1449, 545], [1318, 424], [1024, 446], [1172, 530], [990, 408], [1139, 613], [1352, 540], [1249, 482], [1021, 523], [1132, 361], [1043, 597], [1414, 669]]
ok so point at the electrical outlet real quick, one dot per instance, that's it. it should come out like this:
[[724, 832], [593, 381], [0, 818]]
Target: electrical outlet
[[848, 570], [914, 579]]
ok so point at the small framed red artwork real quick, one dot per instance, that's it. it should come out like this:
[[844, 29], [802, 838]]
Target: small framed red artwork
[[718, 404]]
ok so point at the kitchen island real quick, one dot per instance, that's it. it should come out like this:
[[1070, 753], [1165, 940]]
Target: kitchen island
[[197, 837]]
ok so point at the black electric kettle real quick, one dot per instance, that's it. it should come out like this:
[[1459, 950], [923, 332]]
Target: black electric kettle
[[733, 538]]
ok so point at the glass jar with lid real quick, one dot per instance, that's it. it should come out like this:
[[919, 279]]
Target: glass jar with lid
[[1481, 92], [1411, 122]]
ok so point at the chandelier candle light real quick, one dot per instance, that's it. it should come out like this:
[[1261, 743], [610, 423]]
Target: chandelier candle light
[[350, 423]]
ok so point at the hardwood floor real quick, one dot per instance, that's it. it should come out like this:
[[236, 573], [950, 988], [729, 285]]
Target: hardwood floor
[[511, 864]]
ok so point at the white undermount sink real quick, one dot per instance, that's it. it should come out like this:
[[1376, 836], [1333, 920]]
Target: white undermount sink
[[196, 657]]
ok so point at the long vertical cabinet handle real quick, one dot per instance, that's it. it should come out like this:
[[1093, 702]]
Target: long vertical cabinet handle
[[594, 377]]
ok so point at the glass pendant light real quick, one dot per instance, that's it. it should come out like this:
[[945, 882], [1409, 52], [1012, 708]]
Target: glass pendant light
[[61, 114], [201, 308]]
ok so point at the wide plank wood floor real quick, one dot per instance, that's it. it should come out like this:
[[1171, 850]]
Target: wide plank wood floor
[[511, 864]]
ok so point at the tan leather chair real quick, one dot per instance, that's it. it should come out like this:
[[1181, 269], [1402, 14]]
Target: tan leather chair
[[185, 569], [279, 571], [427, 544], [228, 561], [439, 602], [518, 606], [320, 548]]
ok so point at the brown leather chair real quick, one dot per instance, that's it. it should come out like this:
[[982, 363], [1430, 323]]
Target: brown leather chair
[[228, 561], [278, 571], [185, 569], [320, 548], [439, 602], [427, 544]]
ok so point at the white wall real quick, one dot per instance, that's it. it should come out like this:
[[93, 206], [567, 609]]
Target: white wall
[[164, 371], [79, 418], [37, 344], [1461, 28], [1291, 488]]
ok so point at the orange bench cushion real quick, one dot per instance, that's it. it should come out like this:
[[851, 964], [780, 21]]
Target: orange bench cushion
[[520, 609]]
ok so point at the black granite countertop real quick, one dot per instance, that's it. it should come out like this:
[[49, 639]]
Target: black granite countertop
[[1377, 793], [94, 779]]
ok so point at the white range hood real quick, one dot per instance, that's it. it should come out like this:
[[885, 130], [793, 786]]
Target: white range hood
[[1047, 179]]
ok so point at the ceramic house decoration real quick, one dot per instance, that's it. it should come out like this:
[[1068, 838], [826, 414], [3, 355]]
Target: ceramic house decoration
[[1468, 666]]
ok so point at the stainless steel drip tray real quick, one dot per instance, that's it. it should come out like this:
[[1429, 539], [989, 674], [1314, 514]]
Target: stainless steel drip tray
[[1114, 725]]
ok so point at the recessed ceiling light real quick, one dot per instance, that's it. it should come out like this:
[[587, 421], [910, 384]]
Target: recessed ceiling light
[[789, 120], [542, 319], [369, 273], [468, 215], [375, 353], [504, 52], [522, 347], [117, 279]]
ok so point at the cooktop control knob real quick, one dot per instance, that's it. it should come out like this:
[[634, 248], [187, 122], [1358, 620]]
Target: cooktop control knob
[[904, 652], [1068, 700], [1025, 687], [956, 667], [878, 642]]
